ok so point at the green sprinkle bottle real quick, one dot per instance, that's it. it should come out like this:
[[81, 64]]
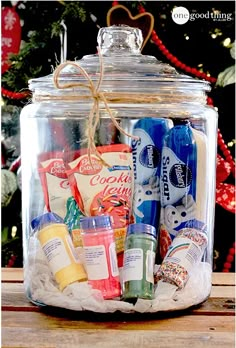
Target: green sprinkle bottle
[[139, 261]]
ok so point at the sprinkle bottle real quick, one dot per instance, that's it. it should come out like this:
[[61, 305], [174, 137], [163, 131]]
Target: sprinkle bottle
[[184, 253], [58, 248], [100, 255], [139, 261]]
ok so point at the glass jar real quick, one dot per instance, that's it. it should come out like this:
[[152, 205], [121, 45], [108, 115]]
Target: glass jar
[[122, 134]]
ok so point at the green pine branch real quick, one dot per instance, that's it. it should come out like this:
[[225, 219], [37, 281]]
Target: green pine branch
[[37, 49]]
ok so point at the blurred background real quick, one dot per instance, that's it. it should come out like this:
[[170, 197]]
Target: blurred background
[[39, 35]]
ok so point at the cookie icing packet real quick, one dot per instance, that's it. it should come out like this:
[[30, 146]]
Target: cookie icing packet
[[104, 190], [55, 184]]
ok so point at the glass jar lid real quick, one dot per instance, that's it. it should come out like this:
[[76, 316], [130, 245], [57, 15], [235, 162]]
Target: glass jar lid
[[121, 68]]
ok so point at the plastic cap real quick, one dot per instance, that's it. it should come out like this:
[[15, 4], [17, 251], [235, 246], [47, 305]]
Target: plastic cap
[[88, 223], [45, 219], [141, 228]]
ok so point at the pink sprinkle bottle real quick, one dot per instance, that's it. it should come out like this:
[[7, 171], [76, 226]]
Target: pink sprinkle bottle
[[100, 255]]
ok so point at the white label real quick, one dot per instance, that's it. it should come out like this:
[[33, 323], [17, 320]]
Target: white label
[[56, 254], [143, 171], [133, 264], [170, 194], [96, 262], [184, 252], [150, 262], [113, 260]]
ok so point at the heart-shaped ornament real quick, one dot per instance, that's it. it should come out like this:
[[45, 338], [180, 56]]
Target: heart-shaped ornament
[[119, 14], [223, 169], [11, 35]]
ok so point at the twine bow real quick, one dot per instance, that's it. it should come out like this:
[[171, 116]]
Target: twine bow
[[97, 96]]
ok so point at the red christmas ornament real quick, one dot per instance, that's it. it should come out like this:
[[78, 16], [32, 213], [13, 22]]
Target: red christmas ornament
[[225, 193], [14, 95], [224, 149], [225, 196], [223, 169], [209, 101], [11, 35], [229, 259], [11, 39], [15, 165]]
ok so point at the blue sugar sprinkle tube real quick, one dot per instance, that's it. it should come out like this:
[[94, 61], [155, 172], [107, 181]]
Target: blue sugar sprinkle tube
[[182, 183], [146, 154]]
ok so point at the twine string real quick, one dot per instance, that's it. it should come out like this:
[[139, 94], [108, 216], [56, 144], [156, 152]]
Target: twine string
[[97, 96]]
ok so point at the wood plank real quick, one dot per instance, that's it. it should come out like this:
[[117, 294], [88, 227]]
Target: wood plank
[[45, 338], [187, 323], [223, 291], [14, 275], [13, 298], [216, 306], [223, 278], [213, 306], [207, 325]]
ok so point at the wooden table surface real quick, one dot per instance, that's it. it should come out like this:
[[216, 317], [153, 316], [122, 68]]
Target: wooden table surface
[[211, 324]]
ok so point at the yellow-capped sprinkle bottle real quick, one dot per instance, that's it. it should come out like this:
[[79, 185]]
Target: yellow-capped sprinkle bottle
[[59, 250]]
